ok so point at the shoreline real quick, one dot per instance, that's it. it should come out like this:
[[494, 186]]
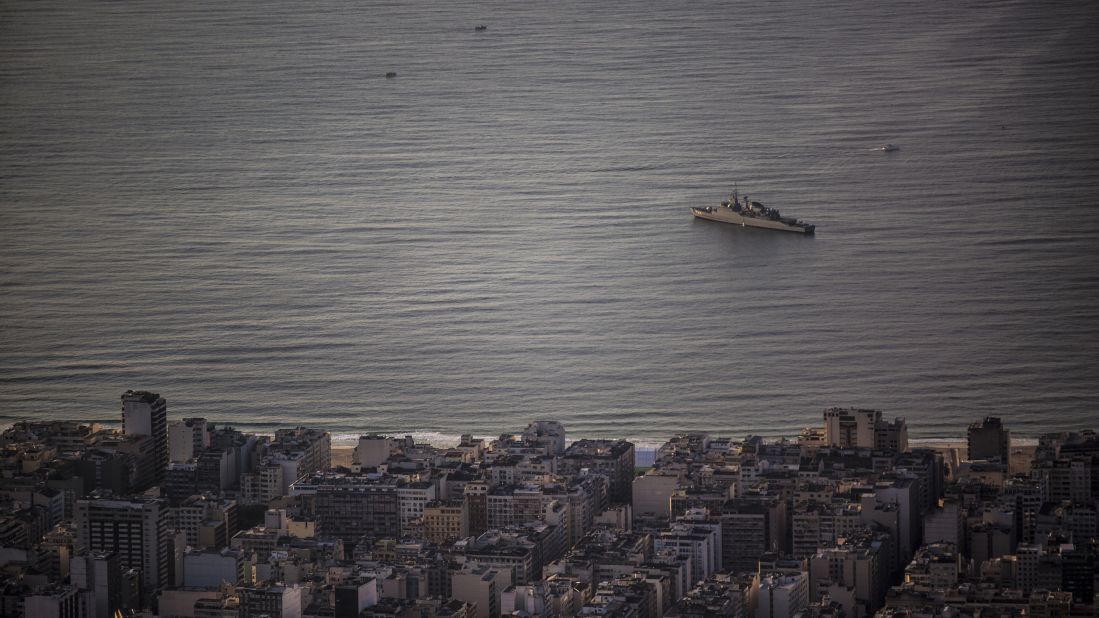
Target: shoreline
[[953, 451], [442, 440]]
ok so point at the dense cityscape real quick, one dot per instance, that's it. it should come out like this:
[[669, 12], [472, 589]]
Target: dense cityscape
[[191, 519]]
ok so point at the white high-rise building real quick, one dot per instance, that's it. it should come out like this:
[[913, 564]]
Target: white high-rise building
[[481, 585], [550, 434], [411, 500], [781, 595], [850, 427], [857, 428], [372, 451], [274, 601], [187, 438], [701, 543], [652, 493]]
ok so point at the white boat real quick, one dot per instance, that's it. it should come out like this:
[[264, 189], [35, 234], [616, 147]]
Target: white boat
[[888, 147]]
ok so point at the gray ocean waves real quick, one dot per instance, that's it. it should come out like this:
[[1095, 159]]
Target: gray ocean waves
[[232, 205]]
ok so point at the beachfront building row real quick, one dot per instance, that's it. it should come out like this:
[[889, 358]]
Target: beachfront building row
[[189, 519]]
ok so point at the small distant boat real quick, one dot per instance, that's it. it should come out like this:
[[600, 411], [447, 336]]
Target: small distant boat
[[888, 147], [481, 28], [391, 74]]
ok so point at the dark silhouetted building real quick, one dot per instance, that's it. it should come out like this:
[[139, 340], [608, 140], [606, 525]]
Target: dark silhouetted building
[[146, 414], [989, 440]]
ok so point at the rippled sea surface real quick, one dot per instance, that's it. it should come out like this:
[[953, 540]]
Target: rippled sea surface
[[230, 204]]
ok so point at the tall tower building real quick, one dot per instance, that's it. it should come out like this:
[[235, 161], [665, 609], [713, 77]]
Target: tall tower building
[[857, 428], [782, 594], [187, 438], [135, 530], [851, 427], [99, 574], [613, 458], [990, 440], [146, 414], [550, 434]]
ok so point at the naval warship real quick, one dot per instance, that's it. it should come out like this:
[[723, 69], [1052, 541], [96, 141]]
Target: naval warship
[[751, 214]]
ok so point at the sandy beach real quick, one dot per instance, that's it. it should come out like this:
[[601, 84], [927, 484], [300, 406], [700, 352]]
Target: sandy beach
[[341, 455], [953, 451]]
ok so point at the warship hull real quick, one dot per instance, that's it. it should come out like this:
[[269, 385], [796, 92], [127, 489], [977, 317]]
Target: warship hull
[[725, 214]]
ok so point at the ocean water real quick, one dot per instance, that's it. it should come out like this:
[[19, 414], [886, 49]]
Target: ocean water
[[230, 204]]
